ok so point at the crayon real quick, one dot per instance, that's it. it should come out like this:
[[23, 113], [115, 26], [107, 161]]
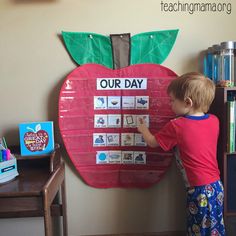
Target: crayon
[[4, 142], [4, 155], [8, 154]]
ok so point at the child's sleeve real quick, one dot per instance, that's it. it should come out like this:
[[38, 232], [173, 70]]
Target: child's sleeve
[[167, 137]]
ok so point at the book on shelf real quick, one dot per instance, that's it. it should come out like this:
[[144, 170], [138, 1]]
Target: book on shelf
[[231, 119], [36, 138]]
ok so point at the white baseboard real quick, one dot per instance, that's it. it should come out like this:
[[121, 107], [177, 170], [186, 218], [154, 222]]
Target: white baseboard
[[169, 233]]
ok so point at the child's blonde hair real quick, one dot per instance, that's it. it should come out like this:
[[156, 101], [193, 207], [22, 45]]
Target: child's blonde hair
[[195, 86]]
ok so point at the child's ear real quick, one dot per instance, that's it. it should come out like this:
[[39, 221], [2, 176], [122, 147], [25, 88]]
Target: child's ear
[[188, 101]]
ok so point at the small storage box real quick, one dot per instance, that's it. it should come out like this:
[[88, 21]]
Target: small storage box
[[8, 169]]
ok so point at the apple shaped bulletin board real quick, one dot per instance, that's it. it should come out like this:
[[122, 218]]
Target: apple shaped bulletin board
[[118, 81]]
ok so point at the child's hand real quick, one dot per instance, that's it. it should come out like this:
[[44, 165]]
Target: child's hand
[[148, 137]]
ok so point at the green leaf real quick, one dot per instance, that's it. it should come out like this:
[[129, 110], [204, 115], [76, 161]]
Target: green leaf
[[152, 47], [89, 48]]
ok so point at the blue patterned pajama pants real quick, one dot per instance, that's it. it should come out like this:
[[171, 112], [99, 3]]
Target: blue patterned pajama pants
[[205, 210]]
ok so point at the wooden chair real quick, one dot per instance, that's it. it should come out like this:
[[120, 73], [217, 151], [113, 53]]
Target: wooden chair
[[39, 190]]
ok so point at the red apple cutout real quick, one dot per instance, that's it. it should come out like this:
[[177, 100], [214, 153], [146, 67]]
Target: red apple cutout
[[36, 140], [76, 123]]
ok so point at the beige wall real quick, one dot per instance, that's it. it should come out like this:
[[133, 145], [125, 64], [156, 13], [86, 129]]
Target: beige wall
[[33, 65]]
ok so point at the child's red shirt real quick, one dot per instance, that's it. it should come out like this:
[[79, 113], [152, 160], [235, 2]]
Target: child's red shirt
[[196, 141]]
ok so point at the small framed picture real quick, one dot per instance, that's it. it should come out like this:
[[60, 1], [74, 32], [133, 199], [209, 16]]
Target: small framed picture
[[36, 138]]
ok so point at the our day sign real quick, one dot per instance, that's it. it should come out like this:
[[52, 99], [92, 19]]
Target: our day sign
[[121, 83]]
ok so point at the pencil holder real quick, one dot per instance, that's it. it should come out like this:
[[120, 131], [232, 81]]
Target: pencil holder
[[8, 168]]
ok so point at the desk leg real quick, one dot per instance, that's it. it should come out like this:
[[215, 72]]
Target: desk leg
[[47, 217], [64, 214], [50, 190]]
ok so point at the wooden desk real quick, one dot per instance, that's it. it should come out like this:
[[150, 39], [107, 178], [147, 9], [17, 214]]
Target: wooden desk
[[37, 189]]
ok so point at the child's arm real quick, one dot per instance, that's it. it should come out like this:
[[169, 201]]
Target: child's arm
[[148, 137]]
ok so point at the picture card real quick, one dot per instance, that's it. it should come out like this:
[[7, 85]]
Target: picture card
[[127, 139], [129, 121], [99, 139], [102, 157], [100, 121], [113, 139], [139, 158], [115, 157], [145, 119], [114, 102], [142, 102], [114, 121], [139, 140], [100, 102], [128, 102], [127, 157]]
